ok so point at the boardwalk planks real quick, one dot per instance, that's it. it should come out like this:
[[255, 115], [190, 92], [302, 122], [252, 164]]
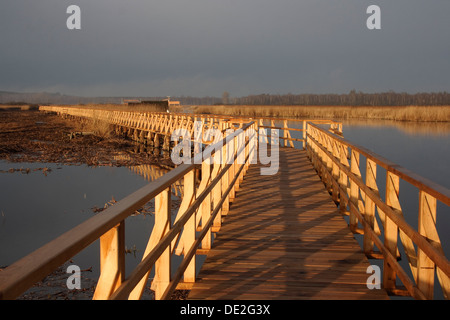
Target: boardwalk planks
[[284, 239]]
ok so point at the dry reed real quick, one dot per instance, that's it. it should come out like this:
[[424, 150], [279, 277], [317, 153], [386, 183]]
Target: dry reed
[[409, 113]]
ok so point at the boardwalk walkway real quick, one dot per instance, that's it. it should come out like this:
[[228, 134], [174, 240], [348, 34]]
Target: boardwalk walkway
[[284, 239]]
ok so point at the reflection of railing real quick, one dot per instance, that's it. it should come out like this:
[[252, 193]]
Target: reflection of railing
[[153, 172], [330, 155], [200, 211]]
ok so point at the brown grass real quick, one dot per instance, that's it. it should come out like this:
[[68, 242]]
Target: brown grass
[[410, 113]]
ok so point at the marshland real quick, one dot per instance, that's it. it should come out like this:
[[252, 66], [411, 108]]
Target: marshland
[[46, 196]]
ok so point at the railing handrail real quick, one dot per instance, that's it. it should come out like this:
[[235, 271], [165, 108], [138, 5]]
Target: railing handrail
[[193, 115], [22, 274], [329, 154], [438, 191]]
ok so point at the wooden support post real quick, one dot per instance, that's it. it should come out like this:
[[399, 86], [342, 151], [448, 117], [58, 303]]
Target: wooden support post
[[190, 227], [224, 182], [369, 206], [163, 222], [156, 141], [354, 189], [304, 134], [217, 195], [241, 158], [230, 159], [161, 227], [427, 222], [343, 179], [112, 262], [390, 229], [336, 151], [205, 207], [166, 145]]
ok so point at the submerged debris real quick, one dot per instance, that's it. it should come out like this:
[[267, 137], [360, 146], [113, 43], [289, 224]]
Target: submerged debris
[[44, 170]]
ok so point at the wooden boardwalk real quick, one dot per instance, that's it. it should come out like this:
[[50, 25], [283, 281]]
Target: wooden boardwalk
[[284, 239]]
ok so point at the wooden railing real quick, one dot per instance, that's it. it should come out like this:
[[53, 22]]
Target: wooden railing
[[295, 125], [149, 126], [353, 186], [201, 210], [339, 164]]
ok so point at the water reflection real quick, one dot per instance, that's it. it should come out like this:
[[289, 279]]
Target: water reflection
[[427, 154], [438, 129], [35, 208]]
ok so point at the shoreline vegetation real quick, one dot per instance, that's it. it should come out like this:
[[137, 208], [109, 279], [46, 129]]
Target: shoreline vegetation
[[397, 113]]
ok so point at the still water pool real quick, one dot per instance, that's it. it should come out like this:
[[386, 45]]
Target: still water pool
[[38, 206]]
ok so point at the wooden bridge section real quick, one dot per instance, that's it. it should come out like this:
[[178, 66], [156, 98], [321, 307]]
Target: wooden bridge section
[[284, 239], [266, 236]]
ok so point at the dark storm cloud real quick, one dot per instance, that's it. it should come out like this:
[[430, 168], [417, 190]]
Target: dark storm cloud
[[204, 47]]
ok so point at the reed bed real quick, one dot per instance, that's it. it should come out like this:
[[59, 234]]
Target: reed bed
[[398, 113]]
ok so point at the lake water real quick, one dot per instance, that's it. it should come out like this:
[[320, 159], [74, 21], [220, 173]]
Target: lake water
[[39, 206], [420, 147]]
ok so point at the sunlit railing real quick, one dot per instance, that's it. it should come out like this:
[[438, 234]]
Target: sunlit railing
[[349, 172], [339, 163], [150, 127], [222, 165]]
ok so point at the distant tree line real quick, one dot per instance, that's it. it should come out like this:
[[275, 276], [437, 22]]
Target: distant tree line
[[351, 99]]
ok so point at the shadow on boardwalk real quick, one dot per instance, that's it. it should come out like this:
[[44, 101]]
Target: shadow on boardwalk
[[284, 239]]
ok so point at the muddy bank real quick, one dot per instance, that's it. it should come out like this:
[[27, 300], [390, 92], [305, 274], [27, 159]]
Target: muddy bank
[[34, 136]]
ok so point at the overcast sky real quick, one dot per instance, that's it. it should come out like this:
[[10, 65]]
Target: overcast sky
[[206, 47]]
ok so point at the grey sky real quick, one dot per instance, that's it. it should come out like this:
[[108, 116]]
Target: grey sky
[[204, 47]]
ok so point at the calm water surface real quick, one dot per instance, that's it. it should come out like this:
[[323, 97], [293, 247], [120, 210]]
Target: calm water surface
[[35, 208]]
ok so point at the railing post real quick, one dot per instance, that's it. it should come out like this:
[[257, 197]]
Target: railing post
[[343, 180], [304, 134], [230, 160], [354, 189], [112, 262], [427, 220], [190, 227], [160, 228], [217, 195], [235, 162], [241, 155], [225, 179], [336, 151], [162, 222], [205, 207], [369, 206], [390, 229]]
